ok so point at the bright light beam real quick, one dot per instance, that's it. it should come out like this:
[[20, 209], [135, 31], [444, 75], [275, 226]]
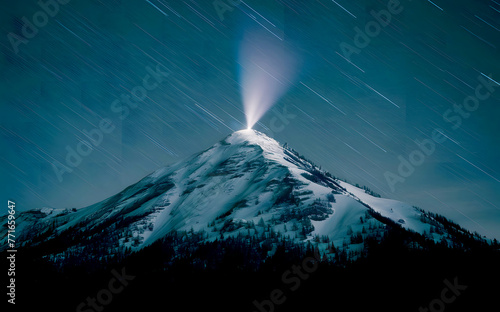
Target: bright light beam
[[266, 70]]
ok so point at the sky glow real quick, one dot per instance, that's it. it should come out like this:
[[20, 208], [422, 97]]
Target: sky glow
[[266, 71]]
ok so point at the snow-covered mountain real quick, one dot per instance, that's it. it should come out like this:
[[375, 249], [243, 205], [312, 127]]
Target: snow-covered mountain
[[247, 184]]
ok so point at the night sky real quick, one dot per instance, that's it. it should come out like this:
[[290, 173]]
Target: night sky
[[149, 83]]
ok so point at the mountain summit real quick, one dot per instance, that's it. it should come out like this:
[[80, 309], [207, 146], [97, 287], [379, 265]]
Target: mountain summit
[[245, 185]]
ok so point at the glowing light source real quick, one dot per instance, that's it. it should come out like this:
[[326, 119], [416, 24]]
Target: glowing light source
[[266, 71]]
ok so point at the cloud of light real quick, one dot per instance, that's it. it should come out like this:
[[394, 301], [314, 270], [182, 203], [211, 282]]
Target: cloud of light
[[267, 68]]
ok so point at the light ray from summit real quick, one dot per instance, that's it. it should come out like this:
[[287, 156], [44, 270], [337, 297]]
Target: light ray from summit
[[265, 73]]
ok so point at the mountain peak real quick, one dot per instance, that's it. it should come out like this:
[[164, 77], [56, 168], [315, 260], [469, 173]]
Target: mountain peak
[[254, 137], [240, 186], [247, 135]]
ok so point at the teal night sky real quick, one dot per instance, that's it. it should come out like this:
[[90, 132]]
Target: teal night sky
[[149, 83]]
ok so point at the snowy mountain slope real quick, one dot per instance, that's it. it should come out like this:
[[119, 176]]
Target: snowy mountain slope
[[247, 184], [407, 215]]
